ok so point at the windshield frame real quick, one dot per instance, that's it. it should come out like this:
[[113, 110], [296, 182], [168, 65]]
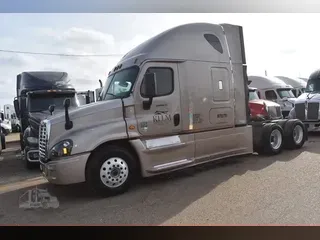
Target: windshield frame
[[110, 80], [280, 90], [72, 96], [315, 82]]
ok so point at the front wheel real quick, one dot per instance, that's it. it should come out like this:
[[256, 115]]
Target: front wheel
[[111, 170]]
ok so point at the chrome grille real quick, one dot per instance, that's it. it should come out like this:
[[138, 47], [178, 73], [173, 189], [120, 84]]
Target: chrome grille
[[313, 111], [43, 140]]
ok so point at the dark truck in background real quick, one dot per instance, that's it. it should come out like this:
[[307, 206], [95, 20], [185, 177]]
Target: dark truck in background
[[39, 95]]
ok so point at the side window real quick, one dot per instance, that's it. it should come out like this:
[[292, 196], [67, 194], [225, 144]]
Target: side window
[[271, 95], [164, 81], [214, 41]]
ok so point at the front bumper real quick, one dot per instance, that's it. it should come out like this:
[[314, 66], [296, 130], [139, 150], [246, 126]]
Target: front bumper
[[65, 171]]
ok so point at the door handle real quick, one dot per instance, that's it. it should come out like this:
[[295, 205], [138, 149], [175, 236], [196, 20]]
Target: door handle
[[176, 119]]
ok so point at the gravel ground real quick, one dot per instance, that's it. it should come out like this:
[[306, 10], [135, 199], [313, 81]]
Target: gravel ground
[[246, 190]]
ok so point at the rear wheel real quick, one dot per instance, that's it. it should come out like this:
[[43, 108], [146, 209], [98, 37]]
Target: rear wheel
[[294, 134], [272, 139], [111, 171]]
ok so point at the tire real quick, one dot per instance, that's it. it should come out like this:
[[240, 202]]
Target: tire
[[294, 134], [21, 141], [104, 169], [272, 139], [4, 131], [3, 141]]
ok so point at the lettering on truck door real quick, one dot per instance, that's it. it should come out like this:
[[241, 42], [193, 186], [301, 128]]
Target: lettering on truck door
[[164, 115]]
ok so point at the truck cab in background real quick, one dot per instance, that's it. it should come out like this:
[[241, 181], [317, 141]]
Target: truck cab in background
[[274, 89], [306, 106], [2, 135], [86, 97], [40, 94], [298, 85]]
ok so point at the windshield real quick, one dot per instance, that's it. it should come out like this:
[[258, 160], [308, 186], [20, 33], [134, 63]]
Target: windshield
[[120, 84], [253, 95], [39, 103], [285, 92], [313, 86]]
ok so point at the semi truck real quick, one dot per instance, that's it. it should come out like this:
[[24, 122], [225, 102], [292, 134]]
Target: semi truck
[[39, 94], [306, 106], [177, 107], [297, 84], [11, 116], [2, 135], [274, 89], [261, 109], [86, 97]]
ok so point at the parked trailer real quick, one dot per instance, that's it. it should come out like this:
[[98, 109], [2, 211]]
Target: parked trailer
[[307, 104], [297, 84], [274, 89], [182, 106]]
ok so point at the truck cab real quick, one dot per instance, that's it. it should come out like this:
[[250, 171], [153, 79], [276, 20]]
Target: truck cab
[[86, 97], [306, 106], [261, 109], [298, 85], [39, 95], [274, 89], [2, 135], [165, 106]]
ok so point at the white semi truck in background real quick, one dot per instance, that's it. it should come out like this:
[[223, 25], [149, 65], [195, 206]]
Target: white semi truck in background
[[274, 89], [177, 100], [297, 84]]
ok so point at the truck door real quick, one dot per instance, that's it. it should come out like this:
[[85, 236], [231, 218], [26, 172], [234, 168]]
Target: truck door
[[164, 116]]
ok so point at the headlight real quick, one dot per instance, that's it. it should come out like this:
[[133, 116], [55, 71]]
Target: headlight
[[61, 149], [32, 140]]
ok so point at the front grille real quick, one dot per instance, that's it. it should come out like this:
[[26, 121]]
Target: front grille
[[43, 139], [313, 111], [300, 111]]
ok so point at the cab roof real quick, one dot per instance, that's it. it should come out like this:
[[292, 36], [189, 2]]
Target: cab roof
[[264, 82]]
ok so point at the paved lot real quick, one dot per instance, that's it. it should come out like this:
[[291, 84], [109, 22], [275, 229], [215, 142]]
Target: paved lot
[[249, 190]]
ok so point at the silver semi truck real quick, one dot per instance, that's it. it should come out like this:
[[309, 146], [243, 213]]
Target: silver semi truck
[[175, 101]]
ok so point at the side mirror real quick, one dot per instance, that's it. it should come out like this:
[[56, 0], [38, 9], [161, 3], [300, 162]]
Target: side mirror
[[66, 103], [2, 116], [285, 99], [16, 107], [51, 109], [150, 89]]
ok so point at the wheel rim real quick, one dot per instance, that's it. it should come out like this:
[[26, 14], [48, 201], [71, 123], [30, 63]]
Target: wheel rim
[[114, 172], [275, 139], [297, 134]]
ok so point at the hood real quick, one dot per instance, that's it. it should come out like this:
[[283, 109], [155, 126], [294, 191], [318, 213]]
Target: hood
[[39, 116], [309, 97], [85, 110], [262, 101]]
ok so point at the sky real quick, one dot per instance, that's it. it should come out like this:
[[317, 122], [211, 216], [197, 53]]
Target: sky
[[282, 44]]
